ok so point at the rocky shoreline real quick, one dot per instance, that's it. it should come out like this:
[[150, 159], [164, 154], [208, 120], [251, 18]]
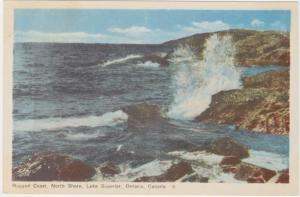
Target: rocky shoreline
[[51, 166], [262, 105]]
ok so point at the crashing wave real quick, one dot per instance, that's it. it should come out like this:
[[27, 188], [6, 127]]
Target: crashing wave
[[195, 81], [120, 60], [107, 119], [148, 64]]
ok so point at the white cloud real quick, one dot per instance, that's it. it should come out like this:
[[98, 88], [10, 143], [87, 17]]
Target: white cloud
[[257, 23], [66, 37], [133, 30], [205, 26], [278, 25]]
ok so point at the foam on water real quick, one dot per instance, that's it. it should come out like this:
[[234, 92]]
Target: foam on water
[[148, 64], [120, 60], [153, 168], [107, 119], [268, 160], [196, 81]]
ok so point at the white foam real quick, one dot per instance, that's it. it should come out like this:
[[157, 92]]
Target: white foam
[[153, 168], [196, 81], [199, 156], [268, 160], [82, 136], [149, 64], [107, 119], [120, 60]]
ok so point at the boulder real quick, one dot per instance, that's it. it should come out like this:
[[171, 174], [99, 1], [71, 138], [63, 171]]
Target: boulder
[[228, 147], [141, 114], [109, 169], [196, 178], [230, 161], [175, 172], [284, 177], [253, 174], [52, 167]]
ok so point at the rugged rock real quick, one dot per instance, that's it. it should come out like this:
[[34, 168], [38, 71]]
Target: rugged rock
[[52, 167], [284, 177], [228, 147], [261, 106], [252, 47], [253, 174], [109, 169], [230, 161], [175, 172], [141, 114], [196, 178]]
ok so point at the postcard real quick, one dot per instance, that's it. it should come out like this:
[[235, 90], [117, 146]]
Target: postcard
[[151, 97]]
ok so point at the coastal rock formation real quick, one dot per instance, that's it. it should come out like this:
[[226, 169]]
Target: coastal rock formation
[[109, 169], [252, 47], [261, 106], [228, 147], [141, 114], [175, 172], [283, 177], [52, 167]]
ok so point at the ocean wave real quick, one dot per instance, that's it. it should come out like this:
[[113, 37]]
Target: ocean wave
[[107, 119], [120, 60], [196, 81], [148, 64]]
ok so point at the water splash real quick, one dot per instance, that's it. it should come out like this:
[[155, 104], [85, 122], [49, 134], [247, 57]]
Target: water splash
[[195, 81]]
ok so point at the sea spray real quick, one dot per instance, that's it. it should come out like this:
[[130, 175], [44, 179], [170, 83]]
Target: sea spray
[[195, 81]]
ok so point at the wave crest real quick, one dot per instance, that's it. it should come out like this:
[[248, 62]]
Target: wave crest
[[107, 119]]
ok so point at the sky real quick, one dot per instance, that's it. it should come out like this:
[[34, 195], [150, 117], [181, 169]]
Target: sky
[[137, 26]]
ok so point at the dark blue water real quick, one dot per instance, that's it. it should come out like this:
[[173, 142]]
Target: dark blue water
[[66, 85]]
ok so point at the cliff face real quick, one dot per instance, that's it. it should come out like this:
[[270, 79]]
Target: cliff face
[[252, 47], [261, 106]]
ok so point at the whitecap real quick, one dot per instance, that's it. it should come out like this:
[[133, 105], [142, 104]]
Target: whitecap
[[120, 60], [107, 119]]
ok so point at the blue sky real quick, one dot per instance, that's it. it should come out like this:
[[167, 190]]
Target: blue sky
[[137, 26]]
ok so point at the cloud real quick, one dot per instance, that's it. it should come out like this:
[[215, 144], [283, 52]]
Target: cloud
[[278, 25], [257, 23], [65, 37], [133, 30], [205, 26]]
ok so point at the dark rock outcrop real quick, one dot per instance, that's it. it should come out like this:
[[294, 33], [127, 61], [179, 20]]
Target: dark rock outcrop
[[261, 106], [228, 147], [141, 114], [253, 174], [196, 178], [284, 177], [109, 169], [52, 167], [175, 172], [230, 161]]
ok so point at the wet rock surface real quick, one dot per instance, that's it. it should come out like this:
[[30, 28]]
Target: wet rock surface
[[261, 106], [52, 167], [175, 172], [142, 114], [284, 177], [228, 147], [109, 169]]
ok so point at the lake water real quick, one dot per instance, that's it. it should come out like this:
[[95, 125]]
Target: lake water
[[68, 98]]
